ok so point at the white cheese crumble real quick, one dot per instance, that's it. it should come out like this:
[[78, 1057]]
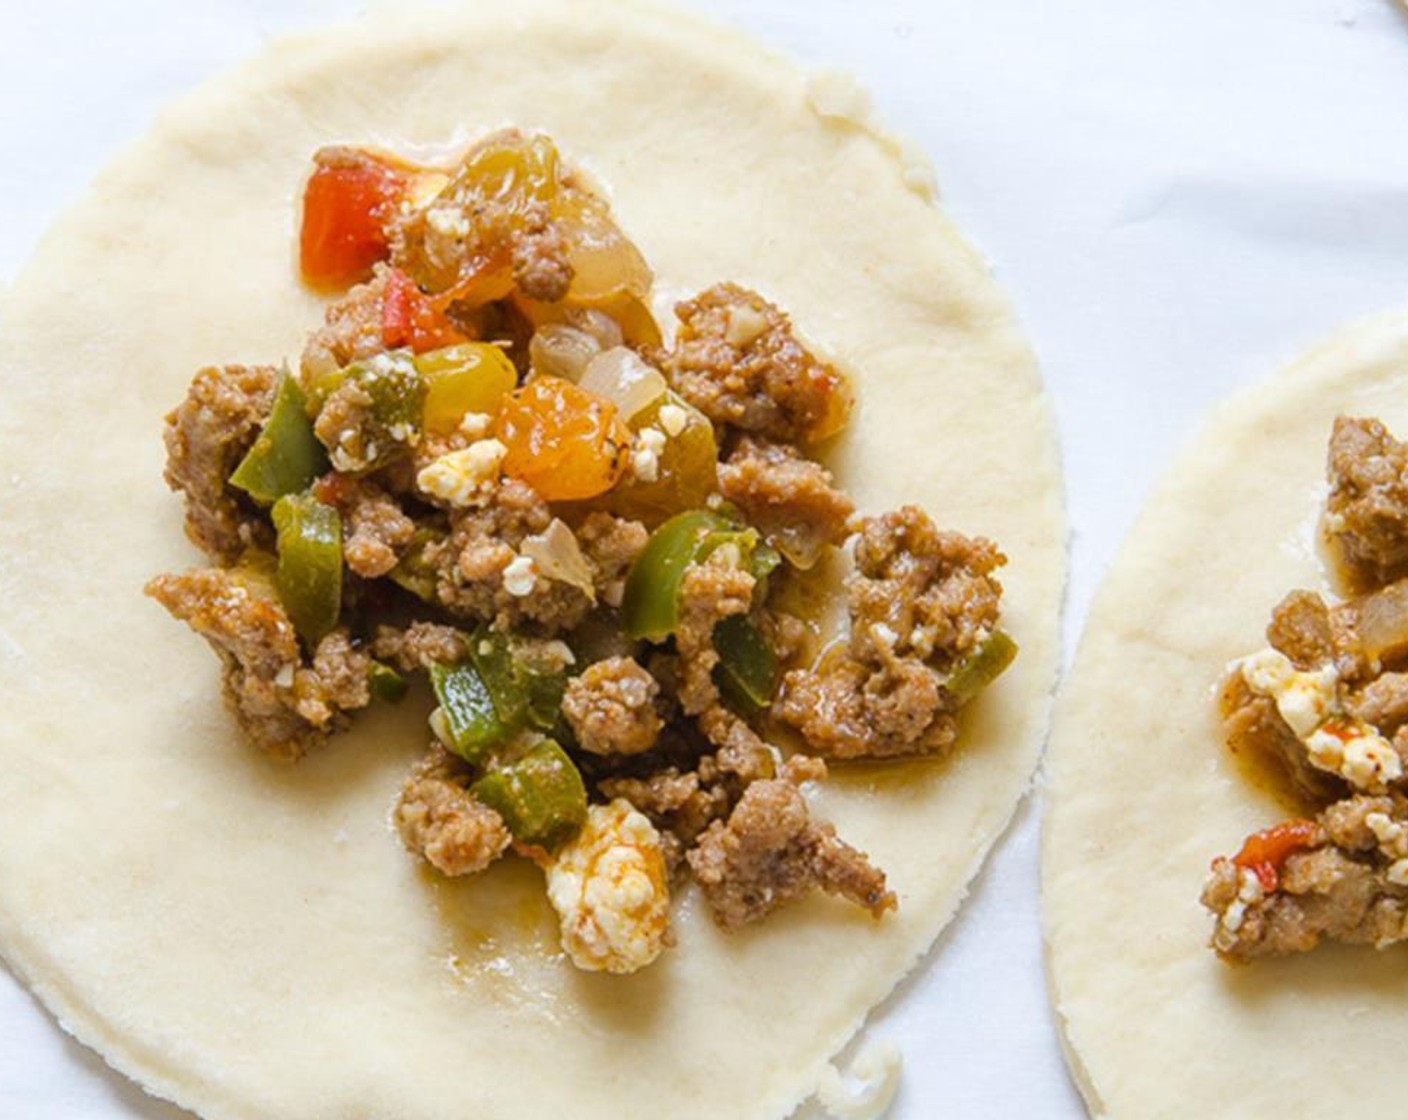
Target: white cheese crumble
[[461, 478], [448, 222], [673, 419], [645, 457], [609, 889], [1308, 702], [475, 424], [1392, 836], [1249, 893], [520, 577]]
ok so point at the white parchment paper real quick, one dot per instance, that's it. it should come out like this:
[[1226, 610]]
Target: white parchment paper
[[1179, 194]]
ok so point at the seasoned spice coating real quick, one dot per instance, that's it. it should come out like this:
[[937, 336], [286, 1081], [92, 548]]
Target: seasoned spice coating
[[439, 819], [206, 436], [611, 707], [736, 359], [1366, 513], [771, 851], [789, 498]]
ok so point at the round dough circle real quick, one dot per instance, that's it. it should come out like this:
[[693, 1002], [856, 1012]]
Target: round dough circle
[[1142, 795], [251, 940]]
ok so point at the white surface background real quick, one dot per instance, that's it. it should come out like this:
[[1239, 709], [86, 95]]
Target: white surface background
[[1179, 195]]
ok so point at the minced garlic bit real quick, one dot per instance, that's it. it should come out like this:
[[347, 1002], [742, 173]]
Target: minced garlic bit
[[610, 892], [461, 478], [520, 577], [1308, 701]]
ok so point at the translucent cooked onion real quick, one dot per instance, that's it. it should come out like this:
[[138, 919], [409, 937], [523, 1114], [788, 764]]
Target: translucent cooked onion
[[623, 378], [557, 555], [557, 350], [600, 326], [1381, 621]]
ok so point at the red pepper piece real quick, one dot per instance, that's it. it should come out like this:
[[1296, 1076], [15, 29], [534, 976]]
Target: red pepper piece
[[348, 203], [409, 318], [1265, 853]]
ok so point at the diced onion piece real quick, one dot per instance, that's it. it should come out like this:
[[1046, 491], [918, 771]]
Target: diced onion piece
[[558, 350], [623, 378], [557, 555], [1382, 621]]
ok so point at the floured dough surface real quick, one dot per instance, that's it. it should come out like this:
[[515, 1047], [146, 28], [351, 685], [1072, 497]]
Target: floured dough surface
[[1142, 794], [251, 940]]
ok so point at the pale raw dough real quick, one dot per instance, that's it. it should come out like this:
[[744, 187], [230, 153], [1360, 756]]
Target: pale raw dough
[[1142, 795], [252, 940]]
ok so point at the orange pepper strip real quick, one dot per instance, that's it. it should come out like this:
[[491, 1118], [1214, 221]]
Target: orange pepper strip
[[1265, 853]]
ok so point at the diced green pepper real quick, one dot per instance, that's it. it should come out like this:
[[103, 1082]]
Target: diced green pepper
[[650, 603], [396, 391], [286, 456], [747, 670], [471, 720], [540, 796], [413, 572], [494, 661], [470, 377], [386, 683], [309, 575], [981, 667], [524, 694]]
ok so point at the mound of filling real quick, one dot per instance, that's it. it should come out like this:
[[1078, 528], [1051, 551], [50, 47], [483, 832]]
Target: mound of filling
[[1326, 705], [600, 547]]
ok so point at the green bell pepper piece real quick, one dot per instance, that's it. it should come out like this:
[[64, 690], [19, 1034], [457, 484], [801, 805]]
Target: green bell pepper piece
[[524, 695], [386, 683], [747, 670], [413, 572], [286, 457], [309, 577], [540, 796], [982, 666], [650, 602], [471, 720], [397, 393]]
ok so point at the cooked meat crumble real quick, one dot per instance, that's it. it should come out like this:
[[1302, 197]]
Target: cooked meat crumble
[[489, 469], [206, 436], [1328, 700]]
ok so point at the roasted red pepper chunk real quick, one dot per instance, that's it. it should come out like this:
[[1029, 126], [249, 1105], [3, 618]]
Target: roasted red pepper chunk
[[1265, 853], [348, 203], [410, 318]]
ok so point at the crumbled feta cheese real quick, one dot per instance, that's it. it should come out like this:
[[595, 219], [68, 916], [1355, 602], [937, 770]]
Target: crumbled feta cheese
[[1363, 758], [1392, 836], [475, 424], [447, 222], [1398, 873], [652, 439], [520, 577], [645, 457], [673, 419], [460, 478], [883, 634], [1249, 893], [284, 679], [1304, 699], [614, 592], [609, 889]]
